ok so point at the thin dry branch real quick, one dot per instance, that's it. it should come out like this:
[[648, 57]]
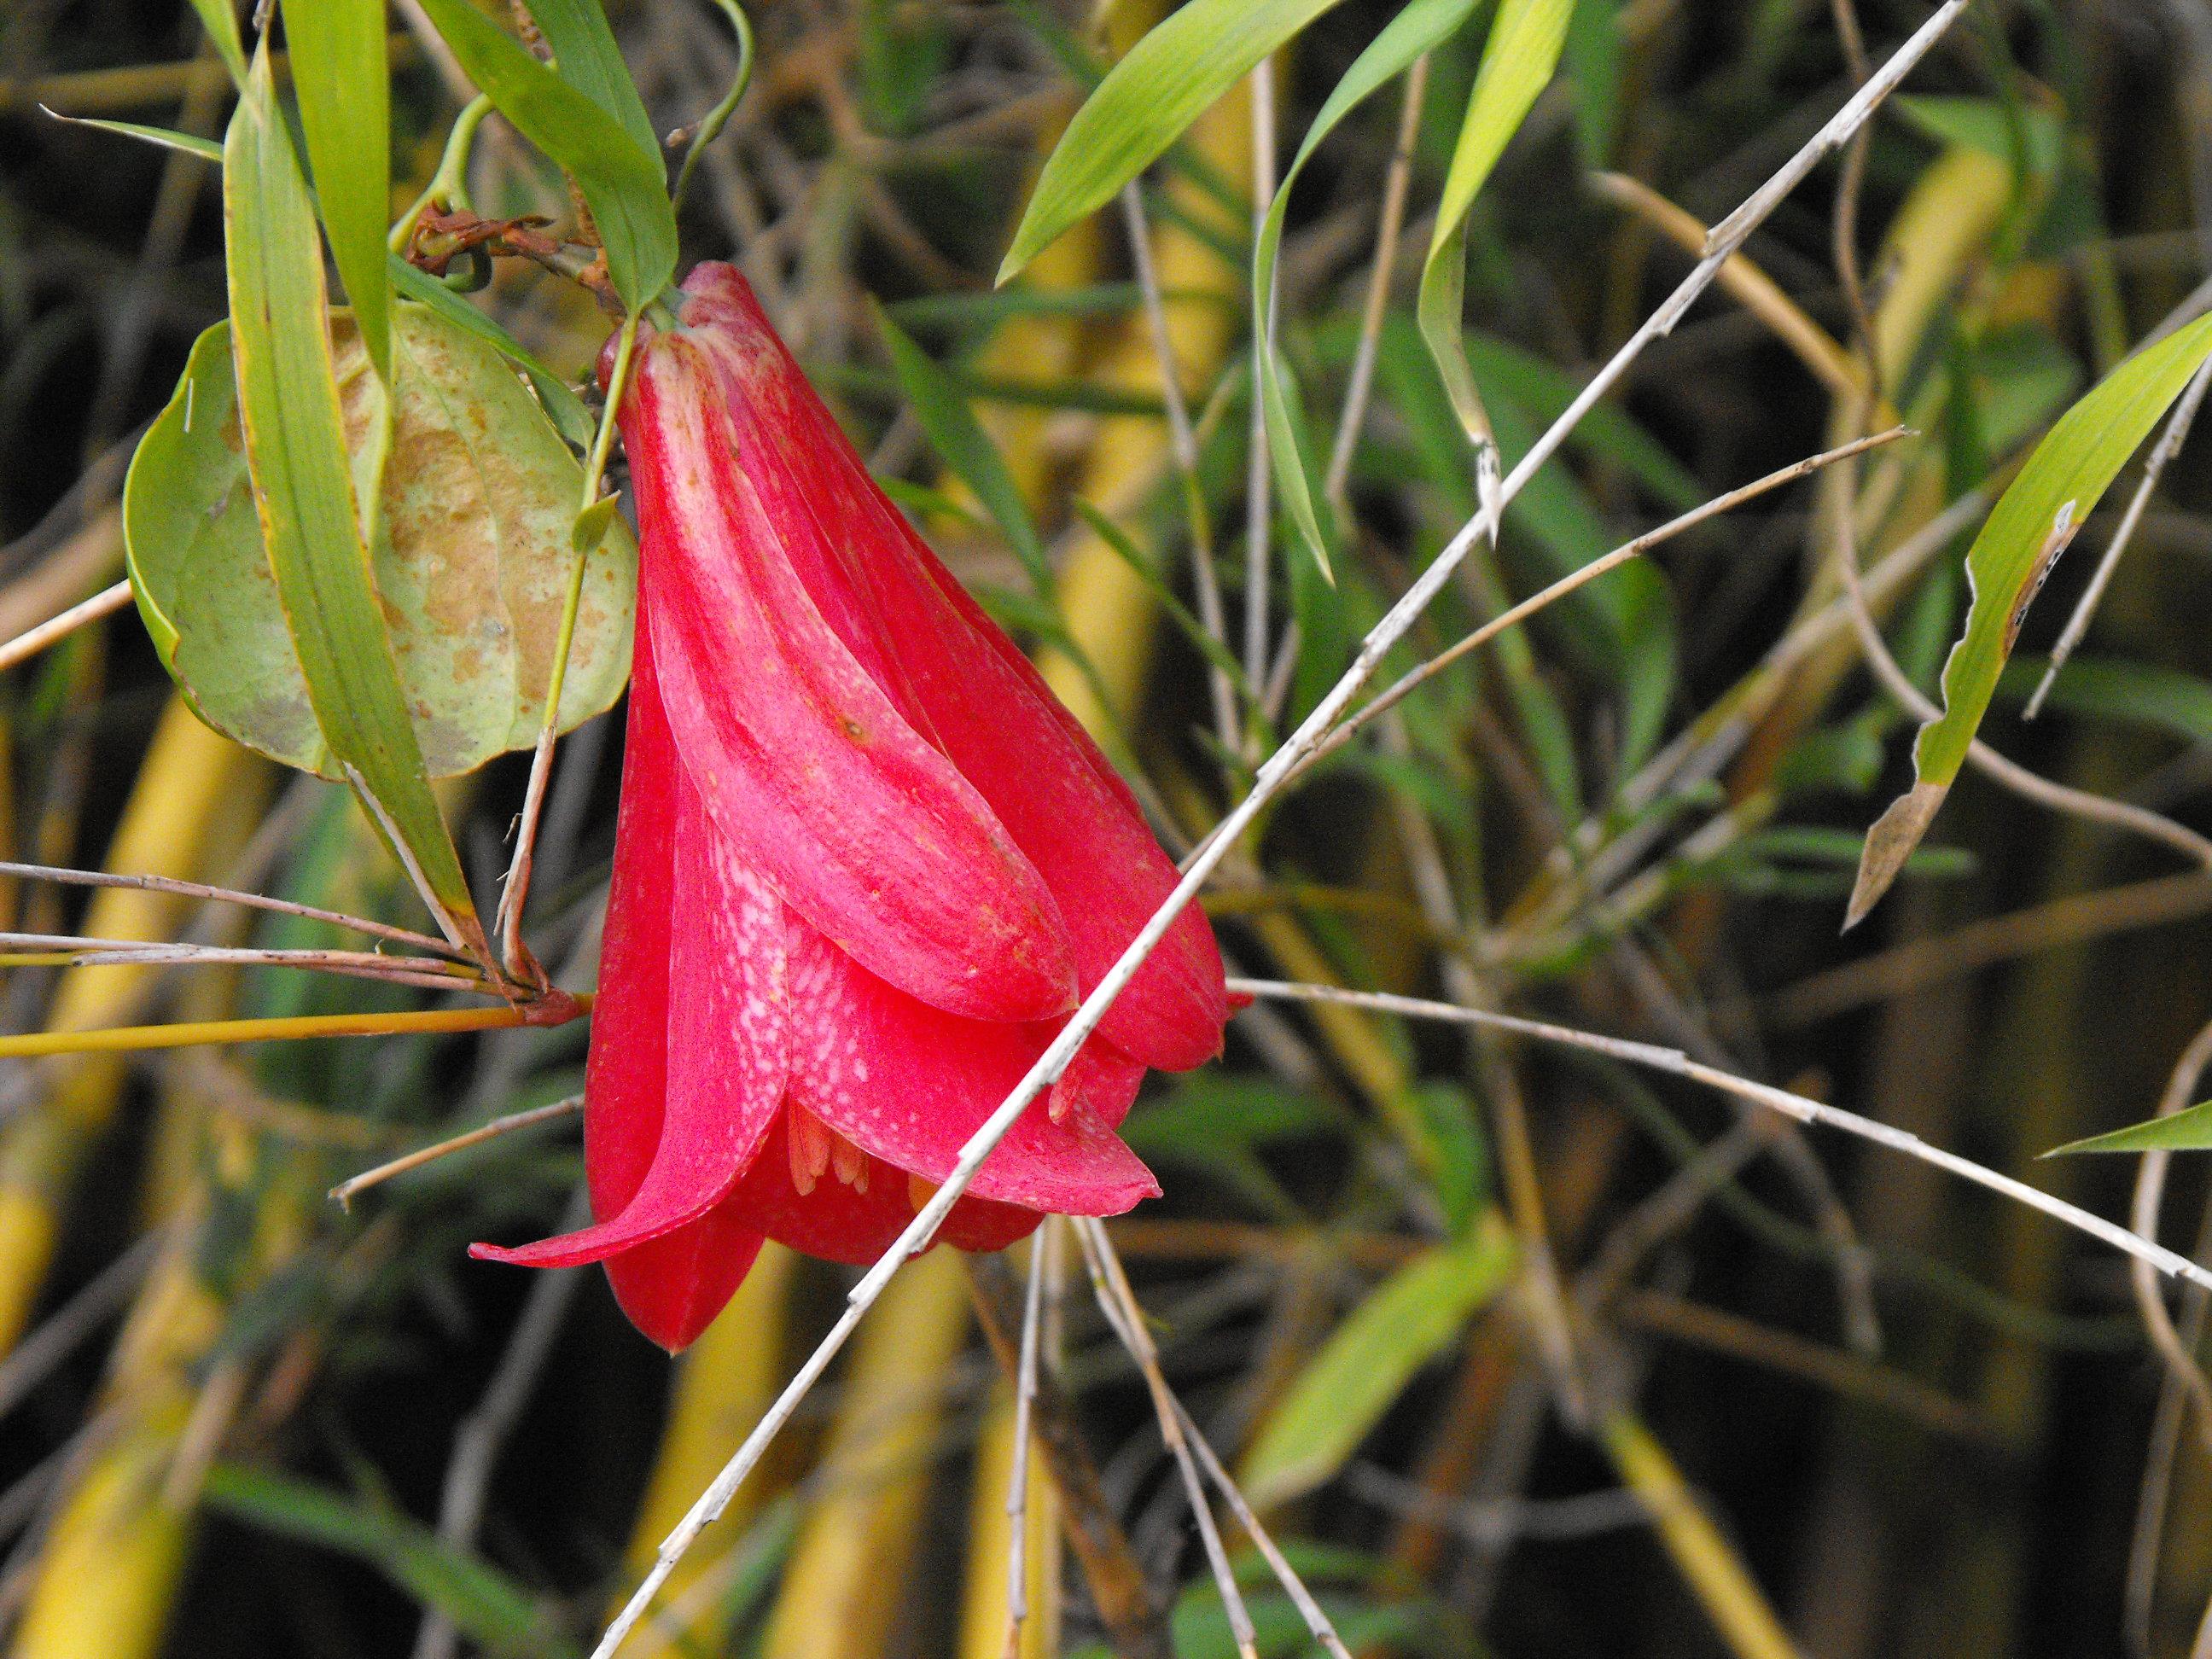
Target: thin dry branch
[[346, 1191], [28, 645], [1402, 689], [229, 896], [1181, 1431], [1805, 1110], [1119, 1304]]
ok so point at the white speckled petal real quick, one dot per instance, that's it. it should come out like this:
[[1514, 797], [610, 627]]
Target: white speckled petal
[[909, 1083]]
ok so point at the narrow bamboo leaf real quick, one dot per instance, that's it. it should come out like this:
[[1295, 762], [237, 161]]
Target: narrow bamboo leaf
[[1130, 554], [943, 411], [470, 559], [2189, 1130], [190, 144], [2013, 134], [483, 1604], [570, 417], [587, 58], [2139, 693], [1518, 60], [1143, 106], [344, 88], [570, 414], [625, 186], [293, 435], [1596, 62], [1421, 27], [220, 19], [1412, 1316], [983, 310], [2038, 515]]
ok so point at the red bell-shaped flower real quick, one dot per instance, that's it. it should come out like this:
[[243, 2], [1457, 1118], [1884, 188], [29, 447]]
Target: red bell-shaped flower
[[864, 867]]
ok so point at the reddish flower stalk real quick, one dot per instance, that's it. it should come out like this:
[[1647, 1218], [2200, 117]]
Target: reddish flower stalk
[[864, 867]]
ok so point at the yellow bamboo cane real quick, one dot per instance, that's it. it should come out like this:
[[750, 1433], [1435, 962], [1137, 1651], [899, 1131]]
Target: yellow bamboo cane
[[189, 778], [990, 1535], [726, 1380], [855, 1551], [1110, 613], [1738, 1608], [107, 1576]]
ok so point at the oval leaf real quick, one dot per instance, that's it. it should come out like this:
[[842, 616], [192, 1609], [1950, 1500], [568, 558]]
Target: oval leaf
[[471, 556]]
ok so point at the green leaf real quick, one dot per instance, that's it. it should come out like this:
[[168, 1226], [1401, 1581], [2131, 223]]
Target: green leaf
[[1410, 1319], [570, 416], [1518, 58], [1456, 1159], [293, 435], [2012, 133], [958, 437], [344, 88], [220, 19], [2189, 1130], [626, 186], [1143, 106], [1117, 541], [188, 144], [1595, 64], [586, 56], [1420, 28], [470, 562], [983, 310], [592, 525], [2039, 514], [2139, 693], [482, 1604]]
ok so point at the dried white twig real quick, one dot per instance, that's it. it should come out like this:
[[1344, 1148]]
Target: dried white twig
[[1259, 484], [31, 642], [347, 1190], [1018, 1475], [430, 973], [1396, 183], [1128, 1320], [1266, 785], [229, 896], [1399, 690], [1119, 1304], [1799, 1107]]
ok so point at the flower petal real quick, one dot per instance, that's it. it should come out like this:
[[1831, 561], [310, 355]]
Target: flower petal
[[856, 1223], [672, 1286], [910, 1083], [809, 768], [990, 712], [690, 1044]]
